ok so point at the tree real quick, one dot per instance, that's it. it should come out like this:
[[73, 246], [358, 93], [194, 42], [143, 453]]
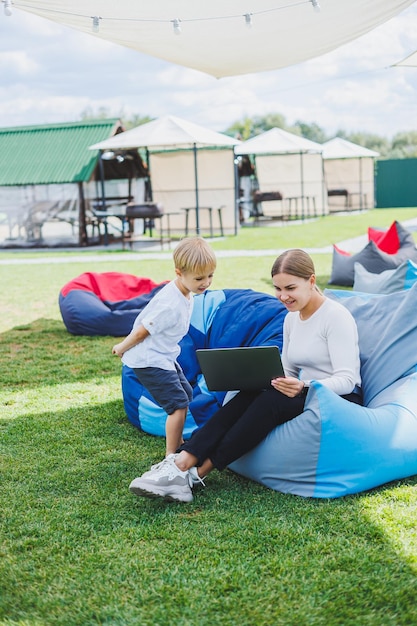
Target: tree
[[89, 113], [137, 120], [367, 140], [241, 130], [372, 142], [312, 131], [266, 122], [404, 145], [250, 127], [103, 113]]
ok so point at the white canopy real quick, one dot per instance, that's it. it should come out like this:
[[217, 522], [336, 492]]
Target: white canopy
[[292, 165], [277, 141], [339, 148], [190, 166], [222, 37], [165, 133]]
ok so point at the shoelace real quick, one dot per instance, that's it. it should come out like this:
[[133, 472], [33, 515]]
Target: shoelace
[[158, 466], [195, 477]]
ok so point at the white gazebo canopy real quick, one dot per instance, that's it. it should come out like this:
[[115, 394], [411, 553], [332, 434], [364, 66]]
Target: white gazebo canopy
[[291, 165], [222, 37], [166, 133], [191, 167], [349, 174], [339, 148], [278, 141]]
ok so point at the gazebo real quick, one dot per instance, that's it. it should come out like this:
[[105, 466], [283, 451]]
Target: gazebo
[[349, 174], [289, 172], [191, 169], [49, 179]]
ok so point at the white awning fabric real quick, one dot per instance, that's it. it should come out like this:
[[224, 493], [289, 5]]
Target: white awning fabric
[[339, 148], [165, 133], [222, 37], [277, 141]]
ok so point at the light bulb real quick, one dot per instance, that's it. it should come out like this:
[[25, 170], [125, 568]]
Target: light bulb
[[96, 23], [177, 26], [248, 19]]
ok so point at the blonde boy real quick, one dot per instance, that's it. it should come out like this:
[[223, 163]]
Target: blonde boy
[[151, 348]]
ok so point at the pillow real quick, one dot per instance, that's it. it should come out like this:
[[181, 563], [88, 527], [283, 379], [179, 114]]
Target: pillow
[[373, 259], [405, 236], [387, 336], [388, 281], [368, 282], [387, 240]]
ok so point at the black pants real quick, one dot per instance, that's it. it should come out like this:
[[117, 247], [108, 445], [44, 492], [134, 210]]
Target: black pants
[[241, 424]]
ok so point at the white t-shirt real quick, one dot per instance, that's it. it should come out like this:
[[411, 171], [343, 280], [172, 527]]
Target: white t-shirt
[[324, 347], [167, 319]]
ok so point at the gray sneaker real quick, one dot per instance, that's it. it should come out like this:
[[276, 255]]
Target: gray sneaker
[[164, 480]]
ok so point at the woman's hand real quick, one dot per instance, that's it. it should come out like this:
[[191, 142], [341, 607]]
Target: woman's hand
[[287, 385]]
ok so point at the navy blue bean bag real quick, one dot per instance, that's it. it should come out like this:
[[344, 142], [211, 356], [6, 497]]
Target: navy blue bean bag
[[104, 303]]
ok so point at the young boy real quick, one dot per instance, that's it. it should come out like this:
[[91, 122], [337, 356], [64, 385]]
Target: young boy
[[151, 349]]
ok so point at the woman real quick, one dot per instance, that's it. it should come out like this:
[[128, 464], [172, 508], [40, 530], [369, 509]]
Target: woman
[[320, 343]]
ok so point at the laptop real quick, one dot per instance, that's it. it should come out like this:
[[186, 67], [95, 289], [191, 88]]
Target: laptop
[[244, 369]]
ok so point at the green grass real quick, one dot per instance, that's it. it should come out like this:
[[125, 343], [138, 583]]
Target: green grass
[[78, 549]]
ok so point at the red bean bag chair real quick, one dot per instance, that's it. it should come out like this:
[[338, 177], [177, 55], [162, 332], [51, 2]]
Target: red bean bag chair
[[104, 303]]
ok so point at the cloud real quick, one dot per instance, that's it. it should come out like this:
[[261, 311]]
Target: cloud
[[16, 64]]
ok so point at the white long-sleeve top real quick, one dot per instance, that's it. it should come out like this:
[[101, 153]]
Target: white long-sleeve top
[[324, 347]]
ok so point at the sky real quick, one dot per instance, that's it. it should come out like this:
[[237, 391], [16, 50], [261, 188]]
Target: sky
[[50, 73]]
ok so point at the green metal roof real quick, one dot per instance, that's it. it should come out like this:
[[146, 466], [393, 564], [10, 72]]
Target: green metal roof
[[51, 153]]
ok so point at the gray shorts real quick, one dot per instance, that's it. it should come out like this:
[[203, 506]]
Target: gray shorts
[[169, 388]]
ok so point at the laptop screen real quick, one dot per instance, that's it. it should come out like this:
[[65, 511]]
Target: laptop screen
[[243, 368]]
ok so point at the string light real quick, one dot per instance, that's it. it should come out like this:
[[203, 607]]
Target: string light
[[177, 26], [176, 22], [248, 19], [8, 7], [96, 23]]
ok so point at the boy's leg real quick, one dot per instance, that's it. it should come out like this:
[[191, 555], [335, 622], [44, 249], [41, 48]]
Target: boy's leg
[[174, 426], [173, 430], [171, 390]]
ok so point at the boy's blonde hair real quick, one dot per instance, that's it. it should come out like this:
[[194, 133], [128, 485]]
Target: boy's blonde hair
[[193, 254]]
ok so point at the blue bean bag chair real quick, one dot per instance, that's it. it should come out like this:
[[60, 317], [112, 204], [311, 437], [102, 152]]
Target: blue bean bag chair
[[221, 319], [334, 447], [104, 303]]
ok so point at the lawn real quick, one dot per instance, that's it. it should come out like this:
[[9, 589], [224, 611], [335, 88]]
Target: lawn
[[78, 549]]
